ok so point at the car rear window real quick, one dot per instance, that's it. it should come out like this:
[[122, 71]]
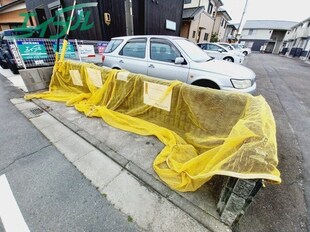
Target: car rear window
[[134, 48], [112, 45]]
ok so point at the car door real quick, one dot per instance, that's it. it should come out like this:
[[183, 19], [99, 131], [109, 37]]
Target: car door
[[161, 62], [132, 56]]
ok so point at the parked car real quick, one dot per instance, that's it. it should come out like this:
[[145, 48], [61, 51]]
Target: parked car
[[237, 47], [219, 52], [7, 59], [176, 58]]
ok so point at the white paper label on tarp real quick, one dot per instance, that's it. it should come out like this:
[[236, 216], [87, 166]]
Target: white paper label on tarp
[[95, 76], [76, 77], [86, 50], [154, 95], [122, 76]]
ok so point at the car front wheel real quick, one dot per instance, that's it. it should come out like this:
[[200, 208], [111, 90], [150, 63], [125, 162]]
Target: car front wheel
[[229, 59], [206, 83]]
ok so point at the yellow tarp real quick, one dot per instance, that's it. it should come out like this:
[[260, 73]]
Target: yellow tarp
[[206, 132]]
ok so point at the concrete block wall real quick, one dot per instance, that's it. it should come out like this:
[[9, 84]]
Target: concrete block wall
[[37, 78], [236, 196]]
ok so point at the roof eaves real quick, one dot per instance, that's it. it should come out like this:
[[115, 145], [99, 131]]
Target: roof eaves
[[7, 6]]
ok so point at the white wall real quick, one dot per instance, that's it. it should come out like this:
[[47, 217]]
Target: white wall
[[195, 3], [262, 34]]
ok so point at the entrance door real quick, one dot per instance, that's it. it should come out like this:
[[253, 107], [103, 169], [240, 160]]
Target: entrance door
[[41, 18], [270, 47]]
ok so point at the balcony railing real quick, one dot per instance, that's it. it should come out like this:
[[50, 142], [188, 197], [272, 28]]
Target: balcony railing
[[303, 32]]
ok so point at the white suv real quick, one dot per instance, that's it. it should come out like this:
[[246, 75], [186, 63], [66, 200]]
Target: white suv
[[176, 58], [219, 52]]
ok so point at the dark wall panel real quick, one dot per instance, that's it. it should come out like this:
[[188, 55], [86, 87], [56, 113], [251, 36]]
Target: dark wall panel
[[158, 11], [256, 44], [116, 9], [149, 17], [138, 7], [95, 33]]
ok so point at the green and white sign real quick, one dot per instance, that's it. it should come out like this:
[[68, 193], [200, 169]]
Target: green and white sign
[[70, 53], [32, 50]]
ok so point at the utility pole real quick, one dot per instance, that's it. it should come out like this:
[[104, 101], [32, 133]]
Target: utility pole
[[243, 13]]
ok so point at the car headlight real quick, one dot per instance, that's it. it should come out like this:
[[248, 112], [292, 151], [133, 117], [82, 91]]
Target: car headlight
[[241, 84]]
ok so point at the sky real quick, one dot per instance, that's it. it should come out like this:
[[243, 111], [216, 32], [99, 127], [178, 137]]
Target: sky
[[297, 10]]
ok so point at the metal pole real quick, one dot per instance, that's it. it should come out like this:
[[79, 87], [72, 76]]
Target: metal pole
[[243, 13], [65, 42]]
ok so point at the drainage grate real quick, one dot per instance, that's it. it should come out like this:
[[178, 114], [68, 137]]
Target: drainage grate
[[36, 111]]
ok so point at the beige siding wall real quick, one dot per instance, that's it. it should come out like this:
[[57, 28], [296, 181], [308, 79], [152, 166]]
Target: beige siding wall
[[203, 24], [12, 17], [205, 3]]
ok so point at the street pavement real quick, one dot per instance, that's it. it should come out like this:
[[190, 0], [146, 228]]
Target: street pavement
[[285, 83], [51, 193], [282, 81]]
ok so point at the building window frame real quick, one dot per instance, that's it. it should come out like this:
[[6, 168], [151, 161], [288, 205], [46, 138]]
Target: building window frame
[[206, 36], [210, 8], [194, 34]]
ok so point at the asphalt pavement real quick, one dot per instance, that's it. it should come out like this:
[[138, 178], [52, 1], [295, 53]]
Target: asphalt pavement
[[284, 82]]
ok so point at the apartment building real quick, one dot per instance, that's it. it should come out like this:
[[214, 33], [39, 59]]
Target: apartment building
[[265, 35], [297, 40]]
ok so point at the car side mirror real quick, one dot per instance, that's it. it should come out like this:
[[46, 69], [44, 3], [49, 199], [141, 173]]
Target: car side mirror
[[179, 60], [220, 50]]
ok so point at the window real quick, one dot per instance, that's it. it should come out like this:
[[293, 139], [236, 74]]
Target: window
[[206, 37], [210, 8], [222, 23], [194, 34], [213, 47], [163, 50], [187, 1], [134, 48], [81, 15], [113, 44]]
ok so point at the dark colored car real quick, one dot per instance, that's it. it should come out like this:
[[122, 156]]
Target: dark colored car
[[6, 57]]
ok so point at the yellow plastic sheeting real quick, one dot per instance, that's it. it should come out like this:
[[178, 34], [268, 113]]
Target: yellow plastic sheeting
[[206, 132]]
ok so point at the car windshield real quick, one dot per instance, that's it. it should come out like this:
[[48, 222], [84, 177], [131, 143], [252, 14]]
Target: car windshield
[[194, 52], [114, 43], [236, 46], [227, 46]]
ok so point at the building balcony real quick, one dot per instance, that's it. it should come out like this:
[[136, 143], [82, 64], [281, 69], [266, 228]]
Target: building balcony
[[303, 33], [290, 36]]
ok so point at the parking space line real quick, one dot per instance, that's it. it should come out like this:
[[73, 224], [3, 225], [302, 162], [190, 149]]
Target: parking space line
[[12, 218]]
